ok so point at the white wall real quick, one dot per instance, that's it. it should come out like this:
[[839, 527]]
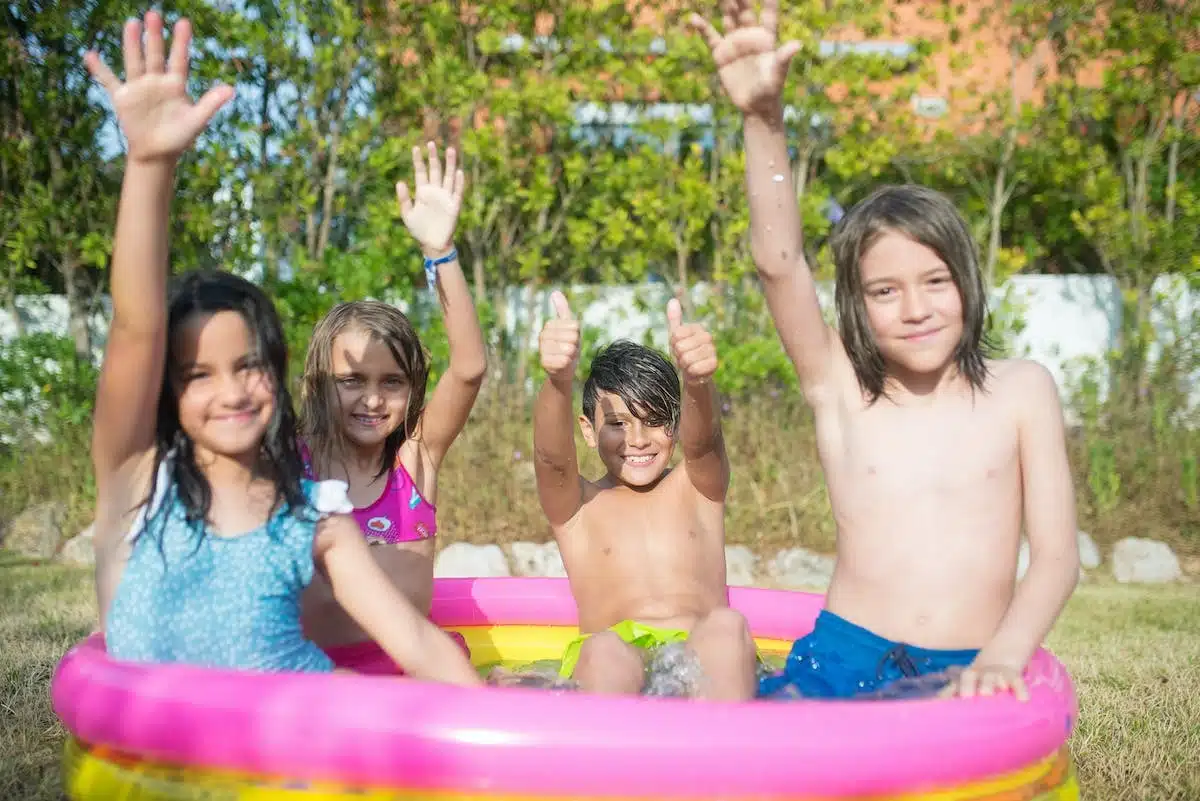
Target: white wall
[[1068, 319]]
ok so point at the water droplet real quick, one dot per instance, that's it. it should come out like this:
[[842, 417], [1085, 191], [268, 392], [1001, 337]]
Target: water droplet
[[777, 178]]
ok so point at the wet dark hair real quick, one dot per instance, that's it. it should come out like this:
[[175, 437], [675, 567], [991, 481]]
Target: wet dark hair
[[319, 416], [209, 292], [640, 376], [930, 218]]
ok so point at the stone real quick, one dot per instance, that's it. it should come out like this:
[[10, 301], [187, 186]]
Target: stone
[[463, 560], [37, 532], [78, 550], [1142, 561], [1089, 555], [1089, 552], [536, 559], [740, 566], [800, 568]]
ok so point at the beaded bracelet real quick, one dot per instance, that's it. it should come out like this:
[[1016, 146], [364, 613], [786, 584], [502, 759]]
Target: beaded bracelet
[[431, 266]]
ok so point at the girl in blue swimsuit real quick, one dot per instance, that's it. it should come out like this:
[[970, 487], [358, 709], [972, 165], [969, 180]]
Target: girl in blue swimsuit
[[206, 531]]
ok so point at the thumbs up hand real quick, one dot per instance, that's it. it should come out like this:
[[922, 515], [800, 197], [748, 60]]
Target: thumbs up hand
[[691, 346], [559, 342]]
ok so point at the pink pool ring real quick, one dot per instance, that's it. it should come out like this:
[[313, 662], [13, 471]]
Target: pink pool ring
[[170, 731]]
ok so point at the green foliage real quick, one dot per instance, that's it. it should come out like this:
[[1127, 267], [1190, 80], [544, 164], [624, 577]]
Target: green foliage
[[45, 390]]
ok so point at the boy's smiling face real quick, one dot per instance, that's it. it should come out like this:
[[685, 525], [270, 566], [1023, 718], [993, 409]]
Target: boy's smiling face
[[633, 453]]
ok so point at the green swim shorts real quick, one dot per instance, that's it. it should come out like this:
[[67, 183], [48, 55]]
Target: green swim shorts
[[636, 634]]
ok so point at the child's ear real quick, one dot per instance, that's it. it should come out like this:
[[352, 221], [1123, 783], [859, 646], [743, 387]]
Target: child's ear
[[589, 433]]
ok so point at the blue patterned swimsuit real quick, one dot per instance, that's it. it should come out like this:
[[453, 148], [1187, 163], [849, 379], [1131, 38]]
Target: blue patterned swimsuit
[[213, 601]]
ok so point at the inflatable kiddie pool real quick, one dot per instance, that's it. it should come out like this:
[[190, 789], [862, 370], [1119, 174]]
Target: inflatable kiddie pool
[[173, 732]]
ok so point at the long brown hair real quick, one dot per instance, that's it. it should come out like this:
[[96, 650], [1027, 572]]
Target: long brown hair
[[930, 218], [320, 420]]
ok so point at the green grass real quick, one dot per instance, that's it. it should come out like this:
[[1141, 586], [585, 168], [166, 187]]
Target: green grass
[[1134, 653]]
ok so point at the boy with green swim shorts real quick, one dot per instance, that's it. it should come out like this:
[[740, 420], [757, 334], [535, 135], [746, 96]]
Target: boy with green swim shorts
[[643, 546]]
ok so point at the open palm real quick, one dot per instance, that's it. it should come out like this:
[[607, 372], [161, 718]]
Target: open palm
[[158, 118], [751, 68], [431, 213]]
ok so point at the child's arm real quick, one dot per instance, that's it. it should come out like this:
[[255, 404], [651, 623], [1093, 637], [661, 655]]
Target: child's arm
[[700, 422], [556, 464], [370, 598], [1049, 510], [753, 71], [159, 122], [431, 215]]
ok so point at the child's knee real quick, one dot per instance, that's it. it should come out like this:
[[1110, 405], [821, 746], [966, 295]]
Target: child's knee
[[726, 625], [606, 651]]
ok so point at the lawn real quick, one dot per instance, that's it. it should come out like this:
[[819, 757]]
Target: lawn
[[1134, 653]]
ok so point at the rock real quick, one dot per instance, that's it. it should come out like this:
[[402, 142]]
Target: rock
[[462, 560], [1086, 558], [740, 566], [534, 559], [37, 532], [78, 550], [1089, 553], [801, 568], [1142, 561]]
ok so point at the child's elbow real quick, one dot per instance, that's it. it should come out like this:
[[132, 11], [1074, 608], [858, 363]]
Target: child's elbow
[[471, 372]]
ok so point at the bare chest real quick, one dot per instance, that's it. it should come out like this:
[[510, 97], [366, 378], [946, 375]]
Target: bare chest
[[631, 533], [943, 449]]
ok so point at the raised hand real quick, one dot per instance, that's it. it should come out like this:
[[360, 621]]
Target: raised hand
[[691, 346], [751, 68], [559, 343], [158, 118], [432, 212]]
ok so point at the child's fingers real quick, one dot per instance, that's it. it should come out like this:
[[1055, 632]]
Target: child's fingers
[[435, 165], [770, 15], [1020, 689], [746, 17], [460, 184], [729, 12], [155, 52], [180, 39], [209, 104], [132, 45], [674, 315], [101, 72], [785, 54], [402, 197], [705, 29], [968, 682], [562, 309], [451, 165], [420, 178]]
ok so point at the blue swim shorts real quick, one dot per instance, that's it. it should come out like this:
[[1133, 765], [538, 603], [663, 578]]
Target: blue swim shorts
[[839, 659]]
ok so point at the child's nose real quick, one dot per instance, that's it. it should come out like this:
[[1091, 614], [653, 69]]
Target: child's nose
[[637, 435], [915, 305]]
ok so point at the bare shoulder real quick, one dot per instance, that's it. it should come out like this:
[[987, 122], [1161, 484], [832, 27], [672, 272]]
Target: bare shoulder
[[1009, 375], [1027, 385]]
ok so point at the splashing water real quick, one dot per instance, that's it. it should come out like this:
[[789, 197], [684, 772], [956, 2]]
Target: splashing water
[[909, 688], [672, 671], [536, 676]]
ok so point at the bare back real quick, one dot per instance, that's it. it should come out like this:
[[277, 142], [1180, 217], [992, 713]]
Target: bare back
[[927, 496], [655, 556]]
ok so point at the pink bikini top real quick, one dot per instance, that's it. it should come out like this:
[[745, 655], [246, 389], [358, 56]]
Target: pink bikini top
[[399, 515]]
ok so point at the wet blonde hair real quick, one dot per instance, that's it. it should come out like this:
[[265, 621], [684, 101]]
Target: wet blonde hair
[[320, 419]]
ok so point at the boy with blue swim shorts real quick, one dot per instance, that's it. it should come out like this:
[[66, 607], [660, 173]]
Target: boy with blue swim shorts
[[644, 546], [936, 455]]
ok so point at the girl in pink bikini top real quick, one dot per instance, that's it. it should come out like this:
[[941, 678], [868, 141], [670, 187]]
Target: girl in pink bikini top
[[400, 514]]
